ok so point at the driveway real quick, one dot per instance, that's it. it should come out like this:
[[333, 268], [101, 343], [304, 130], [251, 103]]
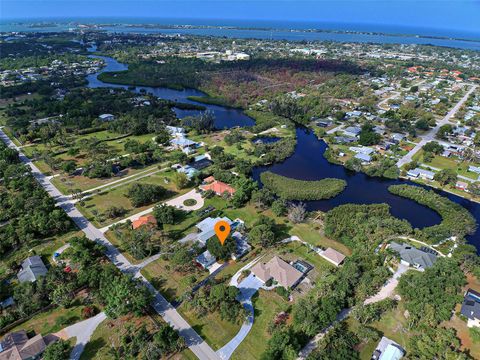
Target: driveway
[[388, 288], [248, 287], [178, 201], [82, 331]]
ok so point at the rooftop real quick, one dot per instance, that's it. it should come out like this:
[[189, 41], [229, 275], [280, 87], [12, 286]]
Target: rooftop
[[282, 272]]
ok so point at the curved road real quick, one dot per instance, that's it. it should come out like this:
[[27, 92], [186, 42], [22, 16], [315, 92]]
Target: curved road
[[196, 344]]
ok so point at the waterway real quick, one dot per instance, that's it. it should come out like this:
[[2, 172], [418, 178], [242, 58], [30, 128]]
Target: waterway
[[308, 163]]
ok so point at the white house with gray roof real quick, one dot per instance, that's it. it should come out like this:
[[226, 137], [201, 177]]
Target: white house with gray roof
[[411, 256], [32, 268]]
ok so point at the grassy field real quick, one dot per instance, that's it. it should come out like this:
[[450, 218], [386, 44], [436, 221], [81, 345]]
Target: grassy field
[[108, 333], [52, 320], [172, 284], [215, 331], [267, 305]]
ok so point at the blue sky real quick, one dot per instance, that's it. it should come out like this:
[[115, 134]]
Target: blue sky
[[440, 14]]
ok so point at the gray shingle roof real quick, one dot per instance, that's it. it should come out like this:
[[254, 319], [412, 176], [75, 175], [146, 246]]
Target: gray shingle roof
[[32, 268], [414, 256], [471, 305]]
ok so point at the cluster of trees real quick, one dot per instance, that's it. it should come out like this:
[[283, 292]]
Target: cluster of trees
[[142, 343], [81, 107], [142, 242], [363, 226], [293, 189], [144, 194], [27, 211], [456, 220], [221, 298], [263, 232], [278, 151], [202, 123], [119, 293], [368, 136]]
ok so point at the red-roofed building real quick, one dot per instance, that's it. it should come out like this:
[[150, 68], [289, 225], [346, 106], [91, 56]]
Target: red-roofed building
[[144, 220], [217, 187]]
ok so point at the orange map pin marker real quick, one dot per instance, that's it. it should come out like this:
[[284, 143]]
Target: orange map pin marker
[[222, 229]]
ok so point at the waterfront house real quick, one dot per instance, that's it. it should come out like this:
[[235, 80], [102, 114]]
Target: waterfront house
[[32, 269], [471, 308], [461, 185], [365, 159], [411, 256], [421, 173]]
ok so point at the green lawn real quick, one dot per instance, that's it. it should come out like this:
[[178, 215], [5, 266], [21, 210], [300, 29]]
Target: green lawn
[[52, 320], [215, 331], [267, 305], [171, 284]]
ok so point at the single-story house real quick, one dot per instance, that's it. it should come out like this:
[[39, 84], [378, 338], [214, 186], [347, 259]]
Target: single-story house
[[324, 123], [471, 308], [423, 174], [201, 162], [474, 169], [353, 114], [207, 230], [17, 346], [461, 185], [353, 131], [363, 157], [188, 170], [279, 270], [146, 220], [184, 144], [106, 117], [411, 256], [242, 246], [205, 259], [344, 139], [396, 137], [362, 150], [32, 268], [333, 256], [175, 131], [217, 187], [7, 303], [388, 350]]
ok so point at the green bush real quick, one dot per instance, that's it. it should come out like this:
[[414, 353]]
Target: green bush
[[292, 189]]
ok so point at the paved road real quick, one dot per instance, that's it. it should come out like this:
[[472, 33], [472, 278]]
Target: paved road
[[82, 331], [196, 344], [430, 135], [248, 287]]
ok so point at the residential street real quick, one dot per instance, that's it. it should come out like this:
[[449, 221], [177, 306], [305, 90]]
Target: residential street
[[196, 344], [430, 135]]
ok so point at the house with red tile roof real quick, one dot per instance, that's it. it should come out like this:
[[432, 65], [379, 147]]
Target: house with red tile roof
[[148, 220], [217, 187]]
